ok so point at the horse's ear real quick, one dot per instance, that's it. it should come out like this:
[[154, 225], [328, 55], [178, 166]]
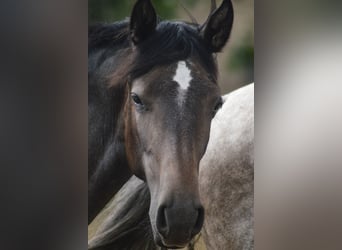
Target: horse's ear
[[217, 28], [143, 21]]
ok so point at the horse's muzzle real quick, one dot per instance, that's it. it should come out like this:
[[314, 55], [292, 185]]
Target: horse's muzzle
[[178, 224]]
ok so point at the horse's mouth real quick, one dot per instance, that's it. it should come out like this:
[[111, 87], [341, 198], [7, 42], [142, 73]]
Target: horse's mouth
[[160, 242]]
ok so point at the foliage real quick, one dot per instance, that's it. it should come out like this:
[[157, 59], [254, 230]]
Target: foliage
[[242, 57]]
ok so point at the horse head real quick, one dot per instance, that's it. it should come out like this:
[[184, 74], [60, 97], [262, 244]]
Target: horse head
[[172, 96]]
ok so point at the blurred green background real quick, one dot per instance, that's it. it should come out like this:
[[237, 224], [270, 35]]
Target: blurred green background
[[236, 62]]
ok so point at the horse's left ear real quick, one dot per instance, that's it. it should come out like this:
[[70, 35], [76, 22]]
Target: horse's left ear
[[217, 28], [143, 21]]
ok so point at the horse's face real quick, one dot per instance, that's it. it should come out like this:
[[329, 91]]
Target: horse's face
[[168, 115]]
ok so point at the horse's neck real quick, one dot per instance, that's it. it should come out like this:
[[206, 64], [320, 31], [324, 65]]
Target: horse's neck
[[111, 170], [108, 167], [106, 107]]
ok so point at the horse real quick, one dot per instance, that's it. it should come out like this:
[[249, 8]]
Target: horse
[[227, 174], [152, 95], [226, 179]]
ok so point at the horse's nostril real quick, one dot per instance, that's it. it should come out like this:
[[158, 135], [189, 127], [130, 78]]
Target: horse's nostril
[[161, 221], [199, 222], [180, 224]]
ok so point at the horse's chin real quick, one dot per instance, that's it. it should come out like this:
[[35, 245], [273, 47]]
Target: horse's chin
[[158, 239]]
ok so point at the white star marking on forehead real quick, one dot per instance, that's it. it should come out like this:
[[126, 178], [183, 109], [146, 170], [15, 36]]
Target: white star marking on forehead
[[183, 78]]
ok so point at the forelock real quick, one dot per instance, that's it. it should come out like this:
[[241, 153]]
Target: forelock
[[172, 42]]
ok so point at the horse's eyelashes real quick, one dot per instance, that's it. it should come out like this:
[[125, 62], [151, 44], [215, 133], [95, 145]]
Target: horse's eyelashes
[[136, 99]]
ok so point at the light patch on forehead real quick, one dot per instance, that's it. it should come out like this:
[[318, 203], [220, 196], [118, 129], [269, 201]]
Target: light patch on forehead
[[183, 78], [183, 75]]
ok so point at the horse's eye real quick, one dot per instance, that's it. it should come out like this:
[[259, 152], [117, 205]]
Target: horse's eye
[[218, 105], [136, 99]]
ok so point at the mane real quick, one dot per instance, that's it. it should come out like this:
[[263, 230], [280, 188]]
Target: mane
[[171, 42], [107, 35], [127, 226]]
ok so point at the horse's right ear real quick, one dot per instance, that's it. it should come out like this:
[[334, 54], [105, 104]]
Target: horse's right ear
[[143, 21], [217, 28]]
